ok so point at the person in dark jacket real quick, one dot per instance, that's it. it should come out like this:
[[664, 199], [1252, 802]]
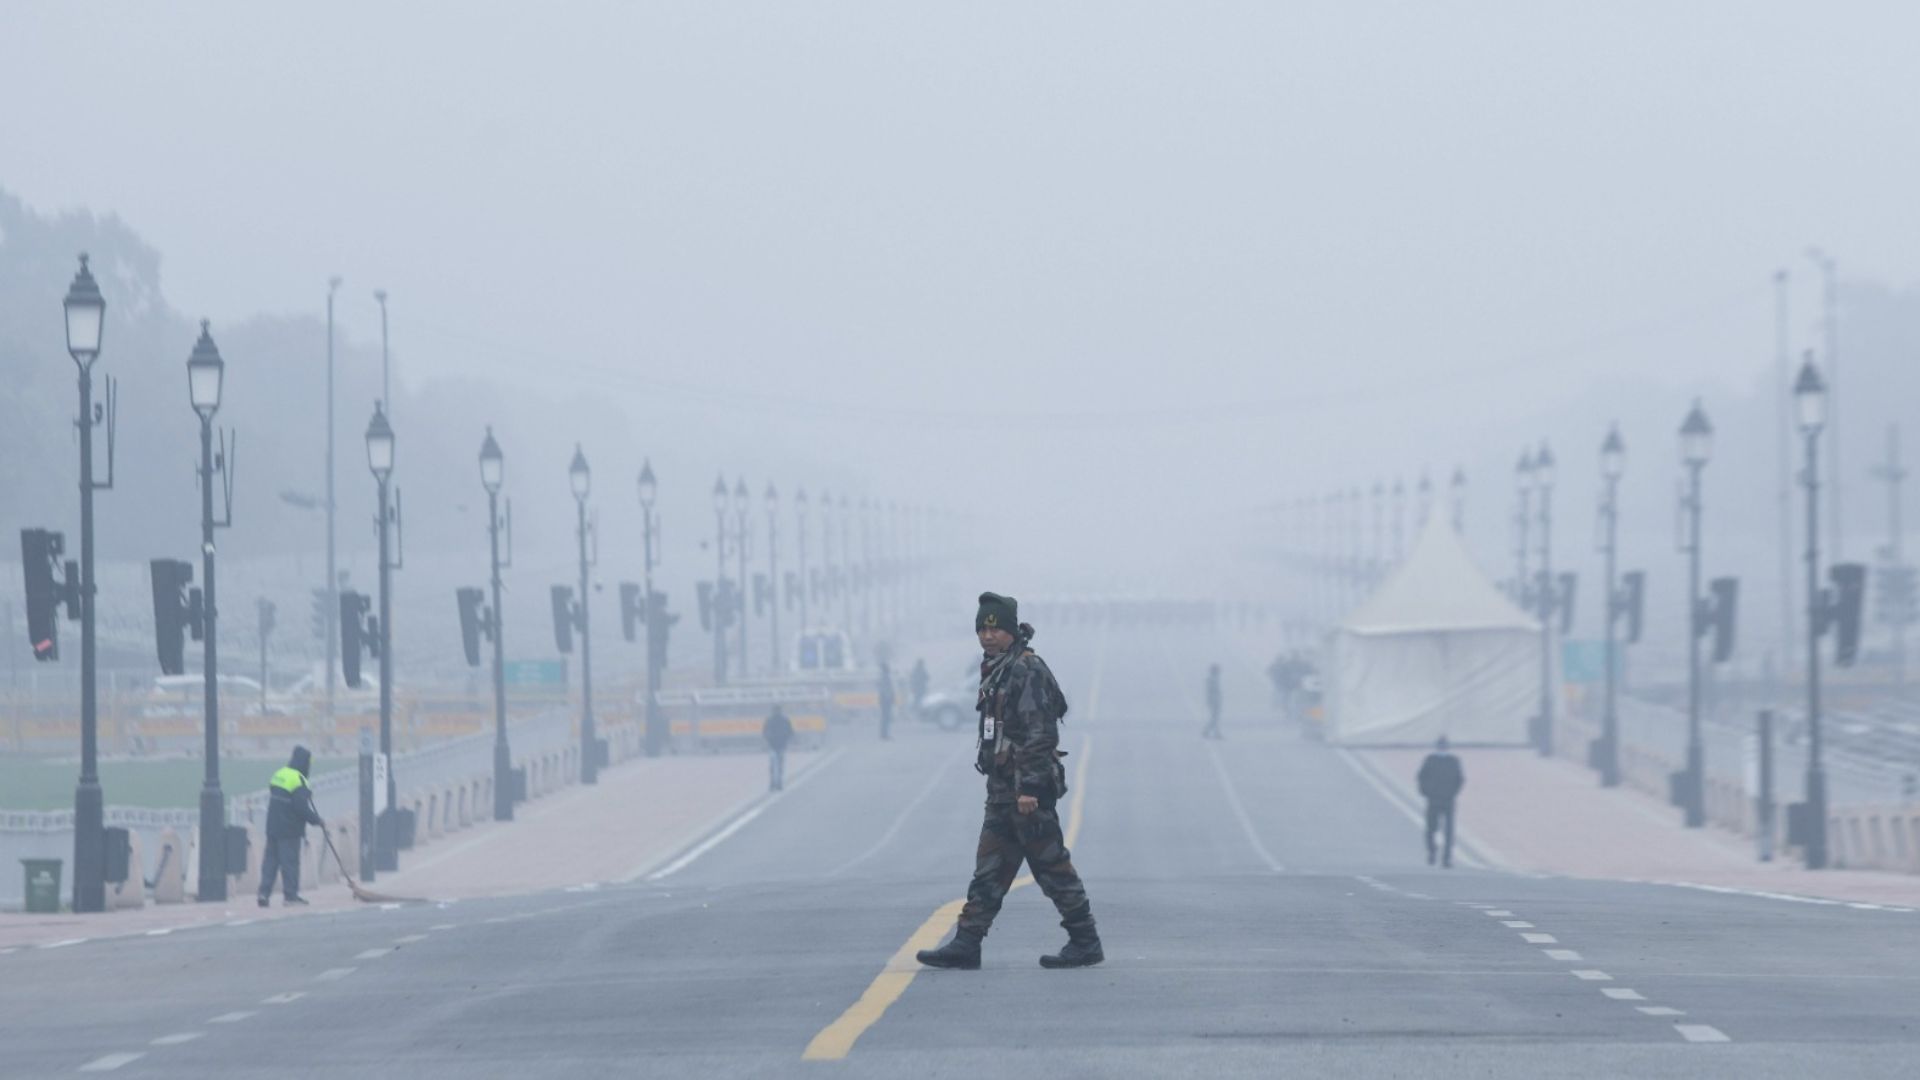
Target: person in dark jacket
[[917, 680], [886, 700], [1441, 779], [778, 731], [289, 811], [1212, 730]]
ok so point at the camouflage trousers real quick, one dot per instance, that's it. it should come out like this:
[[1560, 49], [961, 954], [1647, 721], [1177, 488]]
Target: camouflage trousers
[[1009, 838]]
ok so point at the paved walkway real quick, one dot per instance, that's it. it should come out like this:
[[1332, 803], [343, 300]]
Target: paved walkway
[[639, 815], [1551, 816]]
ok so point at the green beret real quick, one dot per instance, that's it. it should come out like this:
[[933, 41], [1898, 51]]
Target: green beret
[[1000, 612]]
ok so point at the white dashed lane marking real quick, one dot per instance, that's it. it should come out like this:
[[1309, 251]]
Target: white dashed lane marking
[[373, 954], [176, 1040], [331, 974], [232, 1017], [409, 939], [442, 926], [110, 1062], [284, 999], [1697, 1033], [64, 944]]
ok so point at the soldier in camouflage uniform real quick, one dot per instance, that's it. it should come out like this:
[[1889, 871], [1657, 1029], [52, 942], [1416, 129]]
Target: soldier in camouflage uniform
[[1020, 708]]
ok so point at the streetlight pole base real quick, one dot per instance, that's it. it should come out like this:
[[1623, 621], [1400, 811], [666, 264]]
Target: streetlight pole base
[[502, 782], [1696, 815], [89, 848], [1816, 851], [213, 844]]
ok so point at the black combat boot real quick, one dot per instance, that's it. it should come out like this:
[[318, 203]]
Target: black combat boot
[[963, 952], [1083, 945]]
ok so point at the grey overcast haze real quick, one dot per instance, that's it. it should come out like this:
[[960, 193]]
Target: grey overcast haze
[[1402, 509], [1164, 250]]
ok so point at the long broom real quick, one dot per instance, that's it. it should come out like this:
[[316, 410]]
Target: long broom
[[362, 894]]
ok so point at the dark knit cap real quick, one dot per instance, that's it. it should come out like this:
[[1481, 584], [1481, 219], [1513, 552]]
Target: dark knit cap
[[1000, 612]]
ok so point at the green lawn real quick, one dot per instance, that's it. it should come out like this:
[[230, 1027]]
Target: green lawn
[[35, 783]]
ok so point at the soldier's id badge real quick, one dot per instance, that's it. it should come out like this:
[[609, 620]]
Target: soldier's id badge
[[986, 733]]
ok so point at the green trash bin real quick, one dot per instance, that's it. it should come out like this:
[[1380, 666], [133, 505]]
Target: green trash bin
[[43, 886]]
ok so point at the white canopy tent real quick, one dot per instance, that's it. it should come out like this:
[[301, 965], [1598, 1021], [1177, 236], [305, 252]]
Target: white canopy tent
[[1436, 650]]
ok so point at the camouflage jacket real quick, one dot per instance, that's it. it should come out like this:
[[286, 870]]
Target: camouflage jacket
[[1019, 734]]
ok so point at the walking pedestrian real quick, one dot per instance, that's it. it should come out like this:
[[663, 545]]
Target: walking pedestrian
[[1212, 730], [778, 731], [290, 810], [917, 681], [1441, 779], [1020, 707]]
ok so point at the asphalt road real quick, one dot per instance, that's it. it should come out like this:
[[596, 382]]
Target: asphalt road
[[1264, 908]]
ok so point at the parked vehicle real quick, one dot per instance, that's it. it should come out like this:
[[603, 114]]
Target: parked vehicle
[[952, 707]]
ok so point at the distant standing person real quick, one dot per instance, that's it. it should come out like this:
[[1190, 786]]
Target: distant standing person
[[1212, 730], [778, 731], [1441, 779], [886, 700], [917, 681], [289, 811]]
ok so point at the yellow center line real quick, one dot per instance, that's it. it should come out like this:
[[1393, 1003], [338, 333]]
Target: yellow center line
[[836, 1039]]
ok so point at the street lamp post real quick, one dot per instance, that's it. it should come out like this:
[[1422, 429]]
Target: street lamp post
[[1613, 461], [333, 578], [581, 478], [718, 607], [895, 579], [1696, 447], [1548, 596], [86, 313], [1379, 560], [656, 735], [380, 463], [800, 538], [1810, 400], [1523, 485], [1399, 519], [206, 373], [866, 567], [826, 556], [846, 559], [740, 508], [492, 473], [773, 575]]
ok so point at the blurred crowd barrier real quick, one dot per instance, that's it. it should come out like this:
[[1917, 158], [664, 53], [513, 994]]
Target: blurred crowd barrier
[[1869, 825]]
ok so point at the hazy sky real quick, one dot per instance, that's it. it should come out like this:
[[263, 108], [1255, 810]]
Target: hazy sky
[[1212, 242]]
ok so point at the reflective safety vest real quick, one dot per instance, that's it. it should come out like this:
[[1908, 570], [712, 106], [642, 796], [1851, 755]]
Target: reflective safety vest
[[289, 804]]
